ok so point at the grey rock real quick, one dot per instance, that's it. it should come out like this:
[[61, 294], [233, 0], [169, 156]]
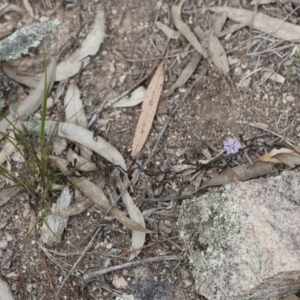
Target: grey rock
[[243, 239], [18, 43], [5, 293]]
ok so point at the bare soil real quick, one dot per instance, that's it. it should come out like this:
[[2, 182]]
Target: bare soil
[[215, 109]]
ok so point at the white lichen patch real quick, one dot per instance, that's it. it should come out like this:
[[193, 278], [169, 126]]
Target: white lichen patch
[[18, 43], [207, 225]]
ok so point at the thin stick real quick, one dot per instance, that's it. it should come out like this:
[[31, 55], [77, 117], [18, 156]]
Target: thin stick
[[131, 265], [78, 260], [50, 278], [147, 246], [168, 198], [288, 141]]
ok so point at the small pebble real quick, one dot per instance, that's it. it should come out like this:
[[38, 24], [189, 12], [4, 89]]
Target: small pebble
[[290, 98], [8, 236], [187, 283], [3, 244], [44, 19], [119, 282], [49, 102], [237, 71]]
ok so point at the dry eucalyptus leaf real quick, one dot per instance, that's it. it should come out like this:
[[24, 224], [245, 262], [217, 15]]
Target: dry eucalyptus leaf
[[214, 49], [183, 169], [170, 33], [54, 225], [290, 160], [273, 76], [75, 114], [243, 173], [29, 81], [5, 8], [74, 110], [138, 237], [260, 2], [85, 137], [219, 22], [33, 101], [28, 8], [81, 163], [148, 111], [185, 29], [273, 26], [185, 75], [8, 193], [270, 156], [94, 193], [231, 29], [76, 208], [90, 46], [291, 297], [137, 97]]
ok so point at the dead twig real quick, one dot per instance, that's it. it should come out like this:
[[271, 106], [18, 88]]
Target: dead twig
[[288, 141], [147, 246], [169, 198], [78, 260], [50, 278], [132, 265]]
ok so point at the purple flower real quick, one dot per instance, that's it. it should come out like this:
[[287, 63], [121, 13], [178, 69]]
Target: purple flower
[[232, 146]]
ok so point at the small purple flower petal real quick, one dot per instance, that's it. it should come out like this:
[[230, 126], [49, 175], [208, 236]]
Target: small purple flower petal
[[232, 146]]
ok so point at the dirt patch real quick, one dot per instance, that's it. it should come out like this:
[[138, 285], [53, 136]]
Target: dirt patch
[[215, 109]]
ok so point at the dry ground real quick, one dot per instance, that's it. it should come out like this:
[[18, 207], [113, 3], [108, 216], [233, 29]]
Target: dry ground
[[211, 113]]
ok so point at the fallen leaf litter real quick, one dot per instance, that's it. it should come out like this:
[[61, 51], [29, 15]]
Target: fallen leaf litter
[[79, 133]]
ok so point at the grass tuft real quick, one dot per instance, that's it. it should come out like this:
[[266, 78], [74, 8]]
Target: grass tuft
[[34, 173]]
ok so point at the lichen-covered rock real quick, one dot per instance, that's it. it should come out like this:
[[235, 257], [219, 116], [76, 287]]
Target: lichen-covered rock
[[243, 239], [18, 43]]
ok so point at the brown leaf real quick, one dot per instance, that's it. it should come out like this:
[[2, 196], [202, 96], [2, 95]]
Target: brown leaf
[[270, 156], [290, 160], [232, 176], [242, 173], [148, 111]]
